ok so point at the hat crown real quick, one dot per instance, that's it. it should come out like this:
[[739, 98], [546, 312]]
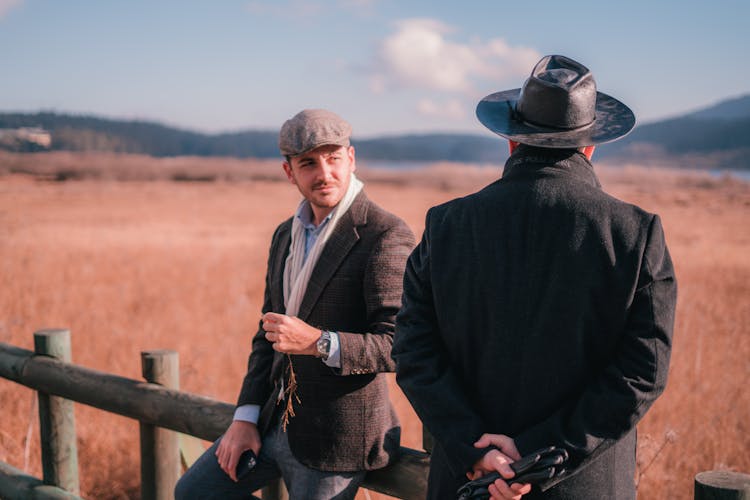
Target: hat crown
[[312, 128], [559, 94]]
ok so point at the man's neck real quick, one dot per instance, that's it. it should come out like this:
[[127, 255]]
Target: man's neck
[[319, 214]]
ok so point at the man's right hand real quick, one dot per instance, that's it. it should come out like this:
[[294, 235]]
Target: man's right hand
[[499, 460], [240, 436]]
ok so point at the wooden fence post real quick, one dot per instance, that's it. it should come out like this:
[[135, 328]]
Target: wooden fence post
[[722, 485], [56, 419], [160, 448], [276, 490]]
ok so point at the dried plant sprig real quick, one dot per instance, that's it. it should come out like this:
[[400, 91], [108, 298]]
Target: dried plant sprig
[[290, 394], [670, 436]]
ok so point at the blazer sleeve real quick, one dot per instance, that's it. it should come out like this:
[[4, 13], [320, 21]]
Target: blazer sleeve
[[423, 369], [612, 403], [256, 386], [370, 352]]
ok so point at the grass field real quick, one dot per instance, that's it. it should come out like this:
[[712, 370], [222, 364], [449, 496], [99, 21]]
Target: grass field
[[130, 258]]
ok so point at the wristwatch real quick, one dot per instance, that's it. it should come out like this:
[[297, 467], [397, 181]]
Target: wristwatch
[[324, 344]]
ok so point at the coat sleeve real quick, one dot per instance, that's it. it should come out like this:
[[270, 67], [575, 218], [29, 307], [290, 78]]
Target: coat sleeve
[[423, 369], [370, 352], [613, 402], [256, 386]]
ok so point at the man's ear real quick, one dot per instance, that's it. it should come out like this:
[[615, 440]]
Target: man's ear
[[352, 157], [288, 171]]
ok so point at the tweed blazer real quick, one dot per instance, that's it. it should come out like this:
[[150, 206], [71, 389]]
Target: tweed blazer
[[540, 308], [345, 421]]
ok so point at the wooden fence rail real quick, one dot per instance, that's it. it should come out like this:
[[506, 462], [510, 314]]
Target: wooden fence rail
[[155, 405], [158, 404]]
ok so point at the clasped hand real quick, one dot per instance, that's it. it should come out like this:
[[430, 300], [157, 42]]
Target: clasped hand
[[289, 334], [499, 460]]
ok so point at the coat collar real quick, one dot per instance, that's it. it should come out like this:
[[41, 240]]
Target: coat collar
[[532, 161], [341, 241]]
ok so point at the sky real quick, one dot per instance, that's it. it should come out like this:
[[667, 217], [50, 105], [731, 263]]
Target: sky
[[387, 66]]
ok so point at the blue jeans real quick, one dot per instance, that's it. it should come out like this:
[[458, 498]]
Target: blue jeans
[[205, 479]]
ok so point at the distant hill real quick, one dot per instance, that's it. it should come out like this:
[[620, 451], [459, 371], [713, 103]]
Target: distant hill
[[715, 137], [729, 109], [89, 133], [432, 147]]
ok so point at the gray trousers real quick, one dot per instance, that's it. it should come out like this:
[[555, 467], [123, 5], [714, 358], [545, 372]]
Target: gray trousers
[[205, 479]]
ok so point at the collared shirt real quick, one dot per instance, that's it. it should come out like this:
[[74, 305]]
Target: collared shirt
[[250, 413], [305, 215]]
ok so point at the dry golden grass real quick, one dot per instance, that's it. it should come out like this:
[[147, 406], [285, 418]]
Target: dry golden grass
[[151, 263]]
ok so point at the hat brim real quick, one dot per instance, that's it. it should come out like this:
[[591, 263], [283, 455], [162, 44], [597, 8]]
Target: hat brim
[[613, 120]]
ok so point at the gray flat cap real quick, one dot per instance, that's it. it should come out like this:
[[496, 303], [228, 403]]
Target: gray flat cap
[[312, 128]]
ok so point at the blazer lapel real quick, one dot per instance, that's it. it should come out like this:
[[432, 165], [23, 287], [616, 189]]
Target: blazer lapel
[[337, 247], [277, 274]]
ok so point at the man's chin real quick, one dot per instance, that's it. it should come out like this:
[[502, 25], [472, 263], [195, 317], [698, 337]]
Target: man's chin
[[328, 201]]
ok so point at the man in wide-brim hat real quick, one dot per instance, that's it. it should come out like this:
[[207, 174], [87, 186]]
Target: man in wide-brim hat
[[539, 311]]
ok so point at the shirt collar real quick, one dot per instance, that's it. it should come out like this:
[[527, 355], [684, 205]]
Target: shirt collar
[[305, 216]]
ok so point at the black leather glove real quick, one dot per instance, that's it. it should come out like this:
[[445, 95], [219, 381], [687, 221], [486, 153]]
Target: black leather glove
[[534, 468]]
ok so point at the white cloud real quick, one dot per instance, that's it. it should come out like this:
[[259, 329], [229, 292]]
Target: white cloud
[[421, 54], [507, 62], [7, 5], [418, 55], [453, 109]]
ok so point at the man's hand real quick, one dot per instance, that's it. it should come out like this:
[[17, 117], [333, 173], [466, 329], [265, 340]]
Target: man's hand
[[499, 460], [240, 436], [290, 335]]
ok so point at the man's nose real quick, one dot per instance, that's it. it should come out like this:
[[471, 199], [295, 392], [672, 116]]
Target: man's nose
[[326, 170]]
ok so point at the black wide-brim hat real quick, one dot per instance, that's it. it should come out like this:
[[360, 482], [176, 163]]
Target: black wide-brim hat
[[558, 107]]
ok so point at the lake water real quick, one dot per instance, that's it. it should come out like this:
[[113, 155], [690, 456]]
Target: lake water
[[394, 165], [743, 175]]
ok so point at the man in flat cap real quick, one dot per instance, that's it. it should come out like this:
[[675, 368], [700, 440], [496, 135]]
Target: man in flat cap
[[539, 311], [314, 404]]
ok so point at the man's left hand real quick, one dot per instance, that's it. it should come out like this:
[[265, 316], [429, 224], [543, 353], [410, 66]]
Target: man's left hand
[[290, 335]]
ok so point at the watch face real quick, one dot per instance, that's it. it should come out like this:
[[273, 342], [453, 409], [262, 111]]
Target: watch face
[[324, 344]]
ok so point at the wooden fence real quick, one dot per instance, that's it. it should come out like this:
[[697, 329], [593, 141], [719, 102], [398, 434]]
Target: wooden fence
[[162, 409], [157, 408]]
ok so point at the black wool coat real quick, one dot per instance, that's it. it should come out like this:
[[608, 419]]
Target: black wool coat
[[345, 421], [540, 308]]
